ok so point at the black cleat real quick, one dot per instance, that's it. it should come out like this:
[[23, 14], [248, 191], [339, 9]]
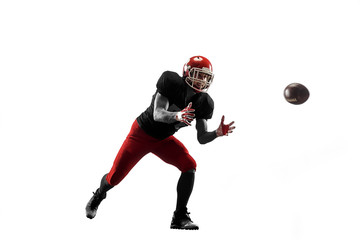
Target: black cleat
[[183, 221], [94, 203]]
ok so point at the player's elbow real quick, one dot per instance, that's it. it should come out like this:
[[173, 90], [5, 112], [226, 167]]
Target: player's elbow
[[205, 137], [157, 116], [201, 139], [202, 142]]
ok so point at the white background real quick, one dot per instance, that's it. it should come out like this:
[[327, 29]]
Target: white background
[[75, 74]]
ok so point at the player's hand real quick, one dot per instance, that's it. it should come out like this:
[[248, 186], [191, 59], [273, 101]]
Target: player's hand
[[186, 115], [224, 129]]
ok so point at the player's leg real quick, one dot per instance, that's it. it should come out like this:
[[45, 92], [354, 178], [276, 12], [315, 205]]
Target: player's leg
[[132, 150], [96, 199], [172, 151], [184, 189]]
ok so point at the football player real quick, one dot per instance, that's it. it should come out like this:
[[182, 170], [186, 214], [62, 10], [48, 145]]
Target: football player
[[175, 104]]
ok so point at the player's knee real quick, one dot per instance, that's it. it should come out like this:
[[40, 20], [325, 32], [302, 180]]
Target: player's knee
[[114, 179], [191, 171], [190, 167], [113, 182]]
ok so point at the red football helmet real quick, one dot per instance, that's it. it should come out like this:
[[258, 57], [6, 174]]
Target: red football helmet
[[198, 73]]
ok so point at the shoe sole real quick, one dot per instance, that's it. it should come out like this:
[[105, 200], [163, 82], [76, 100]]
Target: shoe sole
[[180, 228]]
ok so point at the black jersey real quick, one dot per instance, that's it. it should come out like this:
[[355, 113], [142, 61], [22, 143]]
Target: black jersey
[[172, 86]]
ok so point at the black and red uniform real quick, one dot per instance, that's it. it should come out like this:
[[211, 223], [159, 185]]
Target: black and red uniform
[[148, 136]]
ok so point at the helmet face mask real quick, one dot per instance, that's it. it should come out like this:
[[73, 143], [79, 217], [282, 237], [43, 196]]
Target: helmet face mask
[[198, 73], [199, 79]]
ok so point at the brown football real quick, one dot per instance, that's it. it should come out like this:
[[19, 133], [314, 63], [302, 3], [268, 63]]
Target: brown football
[[296, 93]]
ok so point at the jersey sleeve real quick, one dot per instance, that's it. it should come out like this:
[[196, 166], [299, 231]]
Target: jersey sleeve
[[166, 85], [203, 105]]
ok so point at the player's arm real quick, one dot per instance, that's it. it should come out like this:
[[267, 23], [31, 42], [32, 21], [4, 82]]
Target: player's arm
[[161, 113], [205, 137], [161, 105]]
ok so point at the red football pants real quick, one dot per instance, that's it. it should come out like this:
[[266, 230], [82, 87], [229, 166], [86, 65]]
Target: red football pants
[[137, 144]]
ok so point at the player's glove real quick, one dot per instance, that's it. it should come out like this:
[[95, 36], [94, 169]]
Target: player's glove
[[224, 129], [186, 115]]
